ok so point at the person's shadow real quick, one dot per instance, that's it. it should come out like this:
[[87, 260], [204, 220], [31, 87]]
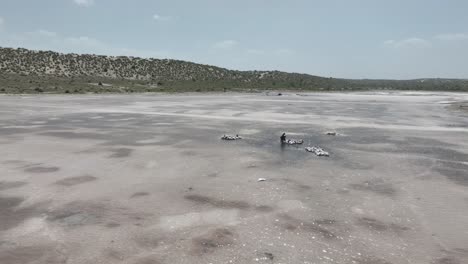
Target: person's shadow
[[283, 146]]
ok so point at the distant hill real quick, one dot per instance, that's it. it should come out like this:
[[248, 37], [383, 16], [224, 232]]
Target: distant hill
[[27, 71]]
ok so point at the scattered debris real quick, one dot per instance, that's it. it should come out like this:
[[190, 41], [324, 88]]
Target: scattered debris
[[228, 137], [331, 133], [318, 151], [293, 141], [261, 179], [270, 256]]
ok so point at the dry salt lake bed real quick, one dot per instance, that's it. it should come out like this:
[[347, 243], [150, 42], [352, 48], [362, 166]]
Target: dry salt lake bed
[[143, 179]]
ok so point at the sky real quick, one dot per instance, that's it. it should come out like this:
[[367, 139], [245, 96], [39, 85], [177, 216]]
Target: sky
[[375, 39]]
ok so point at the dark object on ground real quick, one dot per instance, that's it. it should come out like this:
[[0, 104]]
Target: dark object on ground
[[270, 256], [318, 151], [100, 83], [290, 141], [331, 133], [227, 137], [280, 94]]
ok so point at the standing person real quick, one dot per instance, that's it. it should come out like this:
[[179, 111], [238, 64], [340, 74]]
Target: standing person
[[283, 138]]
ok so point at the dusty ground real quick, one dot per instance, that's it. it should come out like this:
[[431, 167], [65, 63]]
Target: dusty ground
[[145, 179]]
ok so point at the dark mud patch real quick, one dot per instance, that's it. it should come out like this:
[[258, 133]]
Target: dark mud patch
[[72, 181], [303, 187], [115, 255], [11, 185], [264, 208], [356, 165], [148, 260], [210, 201], [377, 225], [212, 175], [376, 186], [26, 165], [370, 260], [189, 153], [425, 147], [10, 202], [121, 153], [211, 241], [439, 153], [17, 162], [458, 106], [11, 215], [296, 185], [41, 169], [317, 227], [76, 135], [112, 225], [457, 176], [421, 141], [139, 194], [453, 165], [78, 214], [150, 240], [86, 213], [463, 251], [446, 260], [32, 254], [8, 131]]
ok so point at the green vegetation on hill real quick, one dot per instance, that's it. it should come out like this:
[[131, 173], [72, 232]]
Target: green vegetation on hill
[[26, 71]]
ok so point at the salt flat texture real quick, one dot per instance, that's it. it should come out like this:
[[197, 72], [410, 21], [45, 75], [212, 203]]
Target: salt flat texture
[[146, 179]]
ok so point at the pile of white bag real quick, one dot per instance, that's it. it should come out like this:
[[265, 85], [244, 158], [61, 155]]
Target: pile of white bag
[[228, 137], [318, 151], [294, 141]]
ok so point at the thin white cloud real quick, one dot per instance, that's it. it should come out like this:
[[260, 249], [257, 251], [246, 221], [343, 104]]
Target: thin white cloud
[[271, 52], [2, 23], [85, 3], [45, 33], [161, 18], [255, 52], [452, 37], [48, 40], [85, 43], [409, 42], [226, 44], [284, 52]]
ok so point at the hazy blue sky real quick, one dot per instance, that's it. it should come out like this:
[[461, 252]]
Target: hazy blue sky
[[340, 38]]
